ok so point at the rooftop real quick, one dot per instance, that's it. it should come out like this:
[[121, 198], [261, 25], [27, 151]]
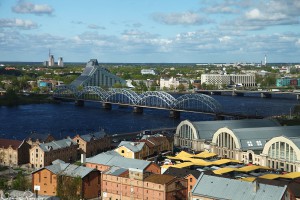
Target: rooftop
[[159, 178], [225, 188], [58, 144]]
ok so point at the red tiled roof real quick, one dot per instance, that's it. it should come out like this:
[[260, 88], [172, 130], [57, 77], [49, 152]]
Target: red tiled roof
[[5, 143]]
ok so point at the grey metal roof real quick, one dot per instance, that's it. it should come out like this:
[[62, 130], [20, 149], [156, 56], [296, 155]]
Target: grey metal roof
[[58, 144], [68, 169], [225, 188], [95, 136], [256, 138], [115, 171], [206, 129], [133, 146], [118, 161]]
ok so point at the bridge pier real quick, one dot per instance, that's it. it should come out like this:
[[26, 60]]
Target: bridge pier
[[106, 106], [137, 109], [240, 94], [265, 95], [219, 117], [79, 103], [174, 114]]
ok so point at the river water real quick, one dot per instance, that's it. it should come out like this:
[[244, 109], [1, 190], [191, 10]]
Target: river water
[[66, 119]]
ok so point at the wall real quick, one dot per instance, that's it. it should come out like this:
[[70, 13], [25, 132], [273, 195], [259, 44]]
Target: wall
[[46, 180]]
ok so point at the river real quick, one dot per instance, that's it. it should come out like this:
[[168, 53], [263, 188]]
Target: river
[[66, 119]]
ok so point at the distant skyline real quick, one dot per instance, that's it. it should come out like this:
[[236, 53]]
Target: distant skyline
[[149, 31]]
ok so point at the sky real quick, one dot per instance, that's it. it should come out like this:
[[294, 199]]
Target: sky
[[150, 31]]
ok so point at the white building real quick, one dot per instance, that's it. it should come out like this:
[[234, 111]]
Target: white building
[[247, 80], [60, 62], [172, 83], [264, 146], [51, 61], [148, 71]]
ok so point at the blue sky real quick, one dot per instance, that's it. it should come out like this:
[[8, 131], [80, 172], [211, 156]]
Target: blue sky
[[172, 31]]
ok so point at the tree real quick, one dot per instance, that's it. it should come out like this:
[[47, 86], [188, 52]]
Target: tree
[[181, 87], [21, 182], [69, 188]]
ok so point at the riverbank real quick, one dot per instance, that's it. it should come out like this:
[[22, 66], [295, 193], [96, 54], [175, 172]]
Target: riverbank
[[24, 99]]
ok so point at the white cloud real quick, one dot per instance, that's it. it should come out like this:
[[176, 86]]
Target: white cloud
[[185, 18], [27, 7], [18, 23]]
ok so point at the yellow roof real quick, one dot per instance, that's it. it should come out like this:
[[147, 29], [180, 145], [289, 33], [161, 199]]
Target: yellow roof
[[224, 170], [224, 161], [200, 162], [184, 154], [270, 176], [291, 175], [182, 165], [251, 168], [166, 166], [248, 179], [205, 154]]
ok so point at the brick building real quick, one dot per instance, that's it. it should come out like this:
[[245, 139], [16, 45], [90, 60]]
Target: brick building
[[13, 152], [46, 179], [191, 176], [126, 184], [45, 153], [93, 143]]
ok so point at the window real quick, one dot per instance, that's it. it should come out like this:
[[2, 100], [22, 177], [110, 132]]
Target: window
[[191, 179], [122, 151], [36, 150], [258, 142], [191, 187], [249, 143]]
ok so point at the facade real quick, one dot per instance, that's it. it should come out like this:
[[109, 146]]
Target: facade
[[120, 183], [135, 150], [93, 143], [261, 146], [104, 161], [45, 153], [51, 61], [60, 62], [282, 153], [13, 152], [36, 138], [148, 71], [95, 75], [47, 179], [213, 187], [198, 135], [157, 143], [172, 83], [247, 80], [191, 177]]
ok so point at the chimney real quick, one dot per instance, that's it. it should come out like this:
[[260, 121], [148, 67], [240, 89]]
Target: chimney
[[255, 186]]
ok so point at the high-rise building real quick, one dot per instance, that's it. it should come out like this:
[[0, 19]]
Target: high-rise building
[[60, 62], [51, 60], [265, 60]]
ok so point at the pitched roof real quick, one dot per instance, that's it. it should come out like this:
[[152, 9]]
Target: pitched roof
[[94, 136], [115, 171], [182, 173], [67, 169], [58, 144], [159, 178], [225, 188], [5, 143], [37, 136], [206, 129], [118, 161], [133, 146], [256, 138]]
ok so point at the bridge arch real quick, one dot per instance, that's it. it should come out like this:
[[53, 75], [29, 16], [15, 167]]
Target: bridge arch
[[98, 91], [156, 99], [65, 91], [197, 102], [121, 95]]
